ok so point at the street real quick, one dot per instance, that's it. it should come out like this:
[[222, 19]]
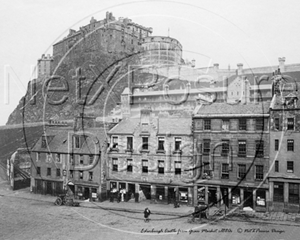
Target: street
[[38, 218]]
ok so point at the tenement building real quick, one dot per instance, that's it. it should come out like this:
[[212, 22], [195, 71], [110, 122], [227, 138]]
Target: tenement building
[[233, 154], [151, 158], [284, 177], [70, 159]]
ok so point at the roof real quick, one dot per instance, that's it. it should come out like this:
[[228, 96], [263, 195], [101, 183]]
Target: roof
[[225, 109], [58, 140], [177, 126]]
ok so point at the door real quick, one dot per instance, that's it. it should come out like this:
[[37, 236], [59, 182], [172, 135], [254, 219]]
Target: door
[[225, 198], [146, 190], [48, 187], [171, 194], [248, 198], [86, 193], [131, 191]]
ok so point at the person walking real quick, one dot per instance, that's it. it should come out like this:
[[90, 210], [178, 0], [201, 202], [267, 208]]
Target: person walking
[[147, 213]]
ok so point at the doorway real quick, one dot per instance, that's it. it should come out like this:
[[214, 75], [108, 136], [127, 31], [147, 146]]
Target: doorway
[[225, 197], [86, 194], [171, 195], [248, 198], [146, 190], [48, 187]]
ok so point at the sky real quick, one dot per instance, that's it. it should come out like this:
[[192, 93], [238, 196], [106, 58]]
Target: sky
[[228, 32]]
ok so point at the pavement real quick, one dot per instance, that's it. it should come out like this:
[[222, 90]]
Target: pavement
[[214, 213]]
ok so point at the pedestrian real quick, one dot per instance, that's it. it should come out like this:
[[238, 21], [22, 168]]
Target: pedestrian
[[147, 214]]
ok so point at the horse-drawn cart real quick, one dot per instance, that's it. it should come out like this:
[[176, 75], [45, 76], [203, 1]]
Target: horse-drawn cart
[[64, 199]]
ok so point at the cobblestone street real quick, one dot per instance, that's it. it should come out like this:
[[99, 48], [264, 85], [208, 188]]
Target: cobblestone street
[[30, 216]]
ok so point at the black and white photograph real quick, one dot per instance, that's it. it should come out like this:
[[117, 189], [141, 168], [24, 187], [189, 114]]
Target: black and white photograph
[[150, 119]]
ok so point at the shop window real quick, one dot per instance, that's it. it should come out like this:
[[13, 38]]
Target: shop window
[[177, 143], [48, 171], [58, 172], [206, 146], [145, 143], [243, 124], [225, 147], [207, 124], [276, 144], [90, 176], [177, 168], [260, 198], [115, 164], [241, 170], [290, 124], [129, 143], [290, 145], [145, 166], [259, 148], [259, 124], [294, 193], [225, 171], [225, 125], [290, 166], [38, 170], [242, 148], [276, 123], [259, 172], [278, 192], [129, 165], [161, 143], [80, 174], [161, 167]]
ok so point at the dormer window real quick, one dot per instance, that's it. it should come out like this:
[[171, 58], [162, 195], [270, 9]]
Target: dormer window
[[44, 142]]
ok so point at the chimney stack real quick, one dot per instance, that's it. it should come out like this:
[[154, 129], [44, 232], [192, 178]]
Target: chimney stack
[[240, 68], [216, 66], [281, 64]]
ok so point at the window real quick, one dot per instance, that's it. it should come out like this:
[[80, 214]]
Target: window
[[259, 148], [48, 171], [243, 124], [259, 172], [206, 146], [44, 142], [177, 143], [276, 122], [276, 144], [91, 157], [48, 158], [294, 193], [241, 170], [177, 168], [242, 148], [38, 170], [72, 159], [58, 172], [80, 174], [115, 142], [81, 159], [259, 124], [115, 164], [145, 166], [290, 145], [225, 171], [129, 165], [207, 124], [276, 166], [290, 124], [206, 169], [90, 176], [129, 143], [57, 157], [161, 167], [71, 173], [225, 147], [161, 144], [225, 125], [76, 141], [145, 143], [278, 192], [290, 166], [37, 156]]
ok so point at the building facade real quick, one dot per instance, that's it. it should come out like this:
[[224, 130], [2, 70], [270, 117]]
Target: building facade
[[284, 177], [151, 158], [70, 159], [233, 158]]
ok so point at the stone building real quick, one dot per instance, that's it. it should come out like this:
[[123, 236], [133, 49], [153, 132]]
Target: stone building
[[233, 154], [152, 158], [284, 177], [70, 159], [44, 66]]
